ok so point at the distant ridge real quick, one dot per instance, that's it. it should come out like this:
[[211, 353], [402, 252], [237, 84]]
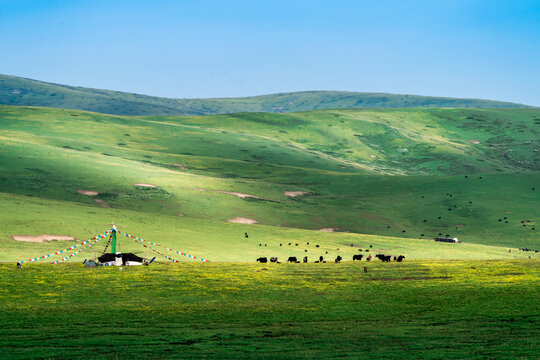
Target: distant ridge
[[27, 92]]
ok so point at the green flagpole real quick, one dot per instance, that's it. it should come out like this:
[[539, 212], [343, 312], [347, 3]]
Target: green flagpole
[[113, 244]]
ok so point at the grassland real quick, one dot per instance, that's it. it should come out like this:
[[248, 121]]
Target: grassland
[[418, 309], [27, 92], [387, 181], [49, 154], [216, 241]]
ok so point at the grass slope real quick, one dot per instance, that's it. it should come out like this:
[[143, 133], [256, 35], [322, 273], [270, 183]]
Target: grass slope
[[420, 309], [213, 240], [51, 153], [27, 92]]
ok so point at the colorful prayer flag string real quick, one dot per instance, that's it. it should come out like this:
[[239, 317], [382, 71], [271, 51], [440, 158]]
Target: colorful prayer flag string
[[155, 244], [95, 238], [75, 253]]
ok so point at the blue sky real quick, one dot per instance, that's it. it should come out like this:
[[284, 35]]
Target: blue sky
[[204, 48]]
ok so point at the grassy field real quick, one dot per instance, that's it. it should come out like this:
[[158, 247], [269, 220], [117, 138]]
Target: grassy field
[[416, 309], [387, 181], [213, 240], [20, 91], [50, 154]]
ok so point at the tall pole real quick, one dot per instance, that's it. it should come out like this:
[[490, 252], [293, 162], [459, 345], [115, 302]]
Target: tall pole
[[113, 244]]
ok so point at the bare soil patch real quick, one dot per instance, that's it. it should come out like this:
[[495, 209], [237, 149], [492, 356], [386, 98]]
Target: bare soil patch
[[240, 195], [474, 141], [145, 185], [242, 220], [42, 238], [88, 192], [180, 214], [295, 193], [460, 224], [102, 203], [328, 229], [180, 166]]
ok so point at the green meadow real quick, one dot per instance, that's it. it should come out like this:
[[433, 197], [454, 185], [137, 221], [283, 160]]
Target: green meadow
[[350, 167], [413, 310], [318, 183]]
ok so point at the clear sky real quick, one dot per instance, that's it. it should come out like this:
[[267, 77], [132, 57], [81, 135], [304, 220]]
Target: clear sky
[[220, 48]]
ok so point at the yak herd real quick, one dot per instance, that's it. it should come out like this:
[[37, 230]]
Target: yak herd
[[294, 259]]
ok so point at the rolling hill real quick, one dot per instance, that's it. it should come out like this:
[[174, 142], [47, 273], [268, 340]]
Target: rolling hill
[[27, 92], [390, 178]]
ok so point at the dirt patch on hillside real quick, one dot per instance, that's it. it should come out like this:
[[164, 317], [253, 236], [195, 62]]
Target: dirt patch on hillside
[[88, 192], [242, 220], [329, 229], [180, 214], [102, 203], [295, 193], [180, 166], [460, 225], [240, 195], [42, 238], [474, 142], [145, 185]]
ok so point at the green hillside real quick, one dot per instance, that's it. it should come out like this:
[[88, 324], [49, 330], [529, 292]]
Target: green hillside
[[403, 176], [27, 92]]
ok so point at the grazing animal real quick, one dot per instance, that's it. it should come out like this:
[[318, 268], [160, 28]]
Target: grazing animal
[[280, 244], [305, 259], [260, 244], [384, 258], [292, 259], [19, 265], [262, 260], [338, 259], [295, 244], [357, 257], [316, 245], [246, 235], [289, 243], [305, 250], [273, 259], [321, 259], [400, 258]]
